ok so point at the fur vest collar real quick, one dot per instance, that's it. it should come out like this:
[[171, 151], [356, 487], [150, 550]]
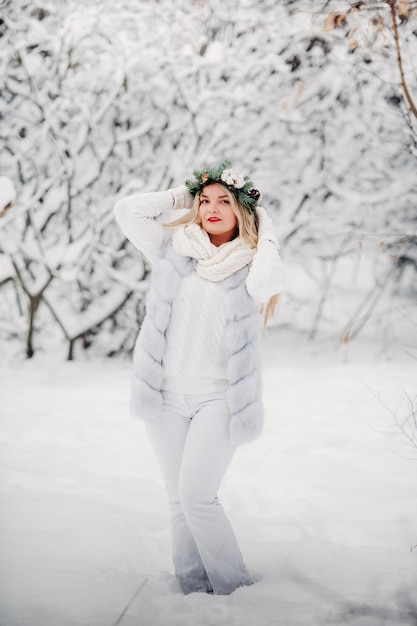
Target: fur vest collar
[[242, 334]]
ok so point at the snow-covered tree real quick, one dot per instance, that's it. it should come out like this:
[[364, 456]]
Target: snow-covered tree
[[105, 100]]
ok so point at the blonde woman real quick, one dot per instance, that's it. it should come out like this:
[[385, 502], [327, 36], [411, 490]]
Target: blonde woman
[[197, 377]]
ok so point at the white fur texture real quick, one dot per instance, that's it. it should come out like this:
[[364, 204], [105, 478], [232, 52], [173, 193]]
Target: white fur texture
[[243, 333]]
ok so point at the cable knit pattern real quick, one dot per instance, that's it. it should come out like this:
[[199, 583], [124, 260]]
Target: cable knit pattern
[[195, 359], [242, 341]]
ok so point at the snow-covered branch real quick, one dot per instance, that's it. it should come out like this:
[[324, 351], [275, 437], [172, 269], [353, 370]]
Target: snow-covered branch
[[107, 100]]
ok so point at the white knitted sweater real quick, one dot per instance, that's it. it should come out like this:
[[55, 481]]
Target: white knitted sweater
[[195, 360]]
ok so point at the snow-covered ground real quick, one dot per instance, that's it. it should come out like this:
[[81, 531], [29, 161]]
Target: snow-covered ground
[[324, 504]]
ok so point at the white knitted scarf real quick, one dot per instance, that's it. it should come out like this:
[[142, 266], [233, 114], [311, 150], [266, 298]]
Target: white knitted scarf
[[213, 263]]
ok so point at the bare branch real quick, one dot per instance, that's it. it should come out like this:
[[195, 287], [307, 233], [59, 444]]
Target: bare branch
[[393, 8]]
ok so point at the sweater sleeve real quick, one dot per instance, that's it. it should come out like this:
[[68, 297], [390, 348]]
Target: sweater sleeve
[[265, 278], [136, 216]]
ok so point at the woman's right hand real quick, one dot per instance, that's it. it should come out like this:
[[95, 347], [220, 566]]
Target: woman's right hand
[[182, 197]]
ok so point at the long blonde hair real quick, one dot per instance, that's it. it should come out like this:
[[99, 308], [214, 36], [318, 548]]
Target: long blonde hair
[[247, 229]]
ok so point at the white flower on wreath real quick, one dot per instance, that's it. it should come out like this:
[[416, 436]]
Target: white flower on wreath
[[233, 178]]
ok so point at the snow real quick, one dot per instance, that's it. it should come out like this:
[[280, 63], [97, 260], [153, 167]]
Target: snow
[[7, 192], [323, 503], [103, 99]]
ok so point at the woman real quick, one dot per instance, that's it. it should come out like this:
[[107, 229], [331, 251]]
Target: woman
[[196, 364]]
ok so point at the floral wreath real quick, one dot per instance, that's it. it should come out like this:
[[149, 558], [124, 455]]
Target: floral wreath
[[241, 186]]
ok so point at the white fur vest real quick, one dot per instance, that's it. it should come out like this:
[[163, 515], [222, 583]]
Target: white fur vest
[[242, 338]]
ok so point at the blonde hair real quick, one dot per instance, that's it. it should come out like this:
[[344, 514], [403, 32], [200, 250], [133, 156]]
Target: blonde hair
[[247, 229]]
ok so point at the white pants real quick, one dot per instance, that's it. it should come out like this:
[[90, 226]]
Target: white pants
[[192, 445]]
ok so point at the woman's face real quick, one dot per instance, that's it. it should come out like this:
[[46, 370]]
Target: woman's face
[[217, 216]]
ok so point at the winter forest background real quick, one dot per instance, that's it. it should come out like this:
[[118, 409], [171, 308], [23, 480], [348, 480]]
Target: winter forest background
[[316, 100], [102, 99]]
